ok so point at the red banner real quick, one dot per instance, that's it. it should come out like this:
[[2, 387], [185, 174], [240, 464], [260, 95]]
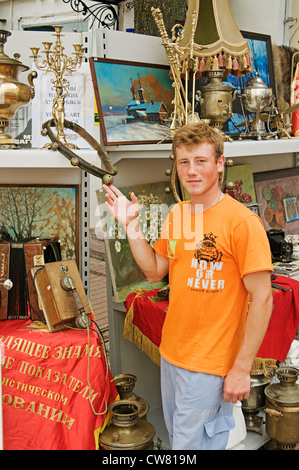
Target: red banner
[[55, 388]]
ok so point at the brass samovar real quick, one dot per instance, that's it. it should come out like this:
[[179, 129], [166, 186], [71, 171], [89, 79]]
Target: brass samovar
[[216, 100], [13, 94], [125, 384], [127, 430], [282, 408]]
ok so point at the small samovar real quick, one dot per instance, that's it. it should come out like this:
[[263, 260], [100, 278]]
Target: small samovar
[[13, 94]]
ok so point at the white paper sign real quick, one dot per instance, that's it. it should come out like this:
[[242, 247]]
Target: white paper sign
[[78, 105]]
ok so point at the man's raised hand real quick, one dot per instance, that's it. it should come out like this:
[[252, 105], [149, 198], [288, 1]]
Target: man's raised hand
[[119, 206]]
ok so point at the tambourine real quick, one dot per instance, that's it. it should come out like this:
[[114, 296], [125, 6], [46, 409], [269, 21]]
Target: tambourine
[[105, 174]]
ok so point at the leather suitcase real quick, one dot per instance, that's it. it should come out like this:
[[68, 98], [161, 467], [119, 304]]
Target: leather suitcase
[[18, 258]]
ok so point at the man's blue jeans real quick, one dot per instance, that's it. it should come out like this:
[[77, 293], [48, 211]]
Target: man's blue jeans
[[195, 413]]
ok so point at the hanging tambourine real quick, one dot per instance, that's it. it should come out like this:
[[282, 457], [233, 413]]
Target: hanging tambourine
[[105, 174]]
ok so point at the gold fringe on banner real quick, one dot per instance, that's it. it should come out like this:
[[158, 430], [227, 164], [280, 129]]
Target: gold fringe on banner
[[107, 422], [264, 366], [133, 334]]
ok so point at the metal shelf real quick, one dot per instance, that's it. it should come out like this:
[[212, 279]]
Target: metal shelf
[[242, 148]]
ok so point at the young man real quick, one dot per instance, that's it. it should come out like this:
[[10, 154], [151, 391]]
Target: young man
[[210, 336]]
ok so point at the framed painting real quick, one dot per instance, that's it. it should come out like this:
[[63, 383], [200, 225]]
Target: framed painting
[[242, 177], [134, 101], [28, 212], [154, 205], [278, 195], [291, 208], [262, 63]]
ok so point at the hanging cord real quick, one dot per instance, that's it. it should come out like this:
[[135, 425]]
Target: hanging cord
[[88, 381], [98, 331]]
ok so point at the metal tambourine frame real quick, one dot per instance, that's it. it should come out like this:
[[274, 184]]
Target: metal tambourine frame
[[105, 174]]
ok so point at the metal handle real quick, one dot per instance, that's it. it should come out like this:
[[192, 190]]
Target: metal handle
[[273, 413]]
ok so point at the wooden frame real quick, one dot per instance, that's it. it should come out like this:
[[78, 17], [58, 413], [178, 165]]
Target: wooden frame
[[29, 211], [262, 62], [272, 190], [122, 120]]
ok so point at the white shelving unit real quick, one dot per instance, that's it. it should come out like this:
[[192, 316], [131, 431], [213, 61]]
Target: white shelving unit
[[243, 148]]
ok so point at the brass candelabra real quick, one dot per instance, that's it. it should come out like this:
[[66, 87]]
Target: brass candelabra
[[57, 62]]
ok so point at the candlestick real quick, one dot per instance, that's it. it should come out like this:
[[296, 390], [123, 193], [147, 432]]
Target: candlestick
[[57, 62]]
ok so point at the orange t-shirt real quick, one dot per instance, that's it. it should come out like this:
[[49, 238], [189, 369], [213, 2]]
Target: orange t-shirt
[[209, 254]]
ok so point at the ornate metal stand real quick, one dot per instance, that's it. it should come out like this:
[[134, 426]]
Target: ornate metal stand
[[102, 11], [59, 64]]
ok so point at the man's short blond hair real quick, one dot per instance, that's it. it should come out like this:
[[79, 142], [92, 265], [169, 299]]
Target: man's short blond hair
[[198, 133]]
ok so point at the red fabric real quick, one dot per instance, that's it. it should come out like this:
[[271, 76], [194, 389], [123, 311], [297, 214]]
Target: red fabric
[[45, 388], [295, 100], [284, 321], [295, 123], [149, 317]]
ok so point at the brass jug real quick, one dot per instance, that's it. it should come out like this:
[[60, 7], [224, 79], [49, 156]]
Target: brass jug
[[282, 408], [127, 430], [13, 94]]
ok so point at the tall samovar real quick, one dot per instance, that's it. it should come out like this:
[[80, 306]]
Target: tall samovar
[[216, 100], [13, 94]]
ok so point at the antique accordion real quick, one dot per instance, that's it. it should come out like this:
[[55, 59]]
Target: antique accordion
[[18, 296]]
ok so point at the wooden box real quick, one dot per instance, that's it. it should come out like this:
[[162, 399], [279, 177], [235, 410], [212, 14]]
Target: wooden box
[[59, 304]]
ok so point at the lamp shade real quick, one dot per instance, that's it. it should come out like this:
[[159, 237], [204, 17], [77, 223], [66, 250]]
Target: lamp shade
[[211, 31]]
